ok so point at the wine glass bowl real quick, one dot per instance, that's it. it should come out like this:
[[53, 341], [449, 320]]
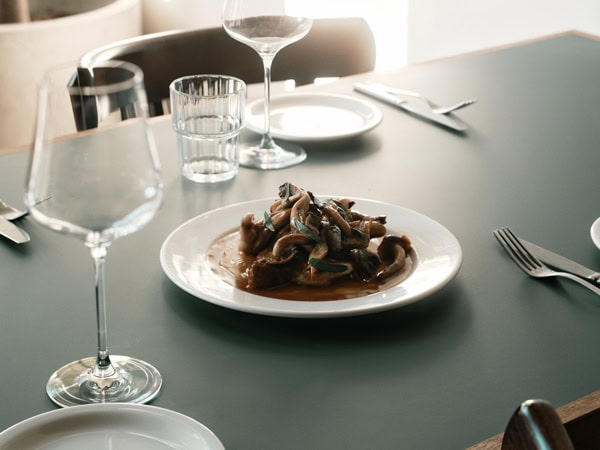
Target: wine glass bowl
[[268, 34], [267, 27], [94, 175]]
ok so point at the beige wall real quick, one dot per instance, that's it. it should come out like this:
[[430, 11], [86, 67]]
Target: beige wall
[[387, 19], [29, 49], [439, 28]]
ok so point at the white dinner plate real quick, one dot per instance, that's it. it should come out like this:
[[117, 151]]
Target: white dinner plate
[[314, 117], [106, 426], [184, 259], [595, 232]]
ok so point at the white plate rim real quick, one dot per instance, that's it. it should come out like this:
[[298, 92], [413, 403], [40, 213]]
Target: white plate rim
[[111, 411], [595, 232], [438, 262], [254, 122]]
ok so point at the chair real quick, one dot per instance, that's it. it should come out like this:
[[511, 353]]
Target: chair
[[535, 425], [87, 111], [332, 48]]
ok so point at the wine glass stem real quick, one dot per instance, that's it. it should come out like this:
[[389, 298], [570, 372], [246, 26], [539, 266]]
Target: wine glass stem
[[267, 141], [103, 367]]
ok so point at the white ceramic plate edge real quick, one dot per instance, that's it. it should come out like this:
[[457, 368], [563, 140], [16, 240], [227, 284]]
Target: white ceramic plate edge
[[254, 122], [437, 264], [86, 422], [595, 232]]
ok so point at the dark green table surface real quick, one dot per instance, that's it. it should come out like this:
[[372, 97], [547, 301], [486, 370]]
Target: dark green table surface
[[443, 373]]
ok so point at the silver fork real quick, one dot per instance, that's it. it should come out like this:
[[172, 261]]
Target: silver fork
[[528, 263], [10, 213], [457, 106], [435, 108]]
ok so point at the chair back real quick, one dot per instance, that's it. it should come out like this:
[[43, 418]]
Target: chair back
[[535, 425], [88, 112], [332, 48]]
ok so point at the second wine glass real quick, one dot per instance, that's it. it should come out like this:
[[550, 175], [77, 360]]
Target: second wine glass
[[267, 27], [94, 175]]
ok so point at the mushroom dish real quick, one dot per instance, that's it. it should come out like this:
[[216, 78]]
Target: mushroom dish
[[303, 241]]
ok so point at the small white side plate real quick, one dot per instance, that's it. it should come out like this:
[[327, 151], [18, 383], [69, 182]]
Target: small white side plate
[[595, 232], [106, 426], [314, 117]]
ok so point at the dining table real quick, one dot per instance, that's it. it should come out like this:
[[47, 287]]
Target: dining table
[[445, 371]]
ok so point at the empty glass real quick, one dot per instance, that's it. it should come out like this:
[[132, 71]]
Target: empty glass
[[94, 175], [207, 116], [267, 27]]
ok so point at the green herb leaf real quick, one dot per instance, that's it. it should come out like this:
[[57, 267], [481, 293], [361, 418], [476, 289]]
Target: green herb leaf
[[305, 230], [287, 192], [361, 234], [326, 266], [340, 205], [268, 222]]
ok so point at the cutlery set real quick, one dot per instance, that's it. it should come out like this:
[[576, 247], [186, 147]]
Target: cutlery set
[[418, 105], [529, 257], [436, 109]]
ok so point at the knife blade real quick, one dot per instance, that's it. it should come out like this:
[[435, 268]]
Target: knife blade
[[420, 109], [561, 262], [13, 232]]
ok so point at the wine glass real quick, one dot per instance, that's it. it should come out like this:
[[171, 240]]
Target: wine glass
[[267, 26], [94, 175]]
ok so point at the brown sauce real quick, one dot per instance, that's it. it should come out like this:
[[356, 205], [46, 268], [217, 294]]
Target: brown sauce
[[231, 265]]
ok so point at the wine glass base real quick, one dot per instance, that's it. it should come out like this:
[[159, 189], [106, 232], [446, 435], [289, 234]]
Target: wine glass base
[[279, 156], [137, 382]]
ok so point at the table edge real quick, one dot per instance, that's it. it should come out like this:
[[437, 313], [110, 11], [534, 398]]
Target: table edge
[[568, 414]]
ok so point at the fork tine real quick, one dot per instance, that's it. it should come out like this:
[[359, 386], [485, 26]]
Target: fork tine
[[532, 259], [455, 107], [509, 247]]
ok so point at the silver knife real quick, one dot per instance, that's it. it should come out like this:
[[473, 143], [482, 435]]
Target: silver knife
[[421, 109], [13, 232], [560, 262]]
